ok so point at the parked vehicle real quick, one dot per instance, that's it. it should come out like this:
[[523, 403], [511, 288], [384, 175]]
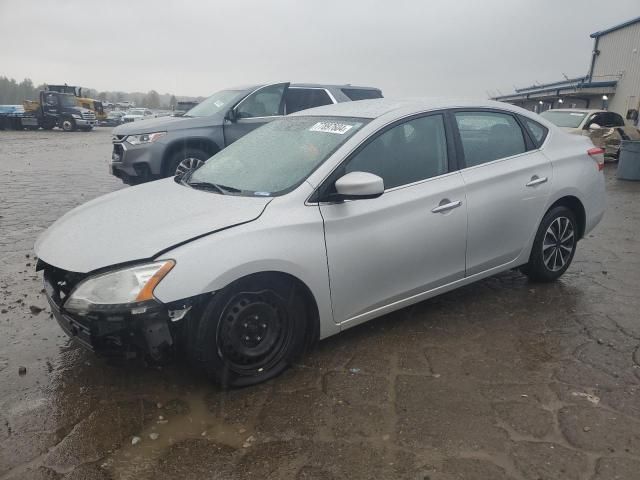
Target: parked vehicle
[[166, 146], [53, 109], [114, 118], [317, 222], [89, 103], [183, 107], [606, 129], [137, 114]]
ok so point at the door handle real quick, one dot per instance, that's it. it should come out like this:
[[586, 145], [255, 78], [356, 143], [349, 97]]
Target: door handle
[[535, 180], [446, 205]]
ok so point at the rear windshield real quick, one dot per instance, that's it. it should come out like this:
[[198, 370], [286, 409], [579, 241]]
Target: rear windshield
[[361, 93], [564, 119]]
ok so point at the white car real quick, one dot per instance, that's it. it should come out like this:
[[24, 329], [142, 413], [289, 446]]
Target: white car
[[135, 114], [317, 222]]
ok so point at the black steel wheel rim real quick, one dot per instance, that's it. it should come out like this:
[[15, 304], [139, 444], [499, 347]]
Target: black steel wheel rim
[[254, 332]]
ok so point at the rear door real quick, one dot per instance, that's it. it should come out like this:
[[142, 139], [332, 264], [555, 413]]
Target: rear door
[[390, 249], [259, 107], [302, 98], [507, 182]]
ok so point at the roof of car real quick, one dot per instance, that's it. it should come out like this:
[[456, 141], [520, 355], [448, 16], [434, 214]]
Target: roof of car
[[581, 110], [325, 85], [381, 106]]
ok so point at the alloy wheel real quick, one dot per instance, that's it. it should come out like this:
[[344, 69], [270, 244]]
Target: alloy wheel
[[188, 164], [558, 243], [67, 126]]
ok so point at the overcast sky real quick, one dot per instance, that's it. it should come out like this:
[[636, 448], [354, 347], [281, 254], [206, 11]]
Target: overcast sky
[[407, 48]]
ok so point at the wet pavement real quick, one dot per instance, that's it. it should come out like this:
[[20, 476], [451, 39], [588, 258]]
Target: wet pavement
[[503, 379]]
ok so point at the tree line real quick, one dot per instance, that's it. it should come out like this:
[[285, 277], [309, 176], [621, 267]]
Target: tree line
[[14, 93]]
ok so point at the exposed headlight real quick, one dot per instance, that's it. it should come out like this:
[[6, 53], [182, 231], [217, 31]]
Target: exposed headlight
[[76, 115], [144, 138], [126, 288]]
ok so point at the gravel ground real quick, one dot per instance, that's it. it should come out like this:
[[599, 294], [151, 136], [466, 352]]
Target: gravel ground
[[503, 379]]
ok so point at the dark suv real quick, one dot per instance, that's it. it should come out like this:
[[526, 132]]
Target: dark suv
[[167, 146]]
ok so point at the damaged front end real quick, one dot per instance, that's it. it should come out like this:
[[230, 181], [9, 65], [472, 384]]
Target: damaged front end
[[610, 138], [143, 328]]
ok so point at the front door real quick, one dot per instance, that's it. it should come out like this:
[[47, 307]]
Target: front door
[[50, 104], [384, 252], [261, 106], [507, 185]]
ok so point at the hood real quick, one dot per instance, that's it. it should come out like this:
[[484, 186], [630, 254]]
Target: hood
[[139, 222], [167, 124]]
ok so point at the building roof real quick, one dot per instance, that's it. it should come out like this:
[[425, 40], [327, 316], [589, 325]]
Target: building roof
[[615, 27], [566, 87]]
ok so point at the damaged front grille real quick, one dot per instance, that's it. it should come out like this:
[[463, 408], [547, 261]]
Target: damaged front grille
[[60, 283]]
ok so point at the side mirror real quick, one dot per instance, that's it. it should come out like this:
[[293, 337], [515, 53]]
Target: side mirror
[[231, 115], [594, 126], [359, 185]]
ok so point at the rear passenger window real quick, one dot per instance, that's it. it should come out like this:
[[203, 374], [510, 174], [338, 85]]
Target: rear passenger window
[[362, 93], [297, 99], [407, 153], [538, 132], [488, 136]]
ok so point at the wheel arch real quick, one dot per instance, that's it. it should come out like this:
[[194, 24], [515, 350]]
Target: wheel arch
[[201, 143], [312, 331], [574, 204]]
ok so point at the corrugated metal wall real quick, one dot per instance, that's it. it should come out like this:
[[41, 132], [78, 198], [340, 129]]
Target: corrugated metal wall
[[620, 54]]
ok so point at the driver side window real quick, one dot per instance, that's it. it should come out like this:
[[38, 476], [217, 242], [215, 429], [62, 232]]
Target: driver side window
[[407, 153], [266, 102]]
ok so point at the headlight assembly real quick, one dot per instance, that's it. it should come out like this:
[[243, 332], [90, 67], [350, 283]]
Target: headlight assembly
[[127, 288], [144, 138], [76, 115]]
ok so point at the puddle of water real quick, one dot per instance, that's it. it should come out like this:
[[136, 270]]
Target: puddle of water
[[131, 461]]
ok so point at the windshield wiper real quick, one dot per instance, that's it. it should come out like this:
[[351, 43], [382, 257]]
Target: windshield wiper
[[223, 189]]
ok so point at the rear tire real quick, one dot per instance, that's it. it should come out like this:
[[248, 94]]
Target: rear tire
[[251, 331], [184, 159], [554, 246]]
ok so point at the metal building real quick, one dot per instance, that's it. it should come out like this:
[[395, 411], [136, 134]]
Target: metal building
[[612, 81]]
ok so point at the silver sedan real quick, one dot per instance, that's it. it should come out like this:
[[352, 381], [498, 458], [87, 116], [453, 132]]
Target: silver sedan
[[318, 222]]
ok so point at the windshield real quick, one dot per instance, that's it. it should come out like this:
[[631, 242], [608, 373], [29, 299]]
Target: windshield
[[68, 101], [564, 119], [278, 156], [214, 104]]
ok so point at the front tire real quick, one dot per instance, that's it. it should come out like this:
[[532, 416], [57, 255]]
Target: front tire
[[252, 330], [554, 245], [68, 124], [185, 160]]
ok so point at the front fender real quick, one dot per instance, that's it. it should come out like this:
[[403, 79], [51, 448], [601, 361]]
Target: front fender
[[283, 239]]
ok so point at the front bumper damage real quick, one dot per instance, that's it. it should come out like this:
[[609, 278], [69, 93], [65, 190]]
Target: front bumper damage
[[151, 331]]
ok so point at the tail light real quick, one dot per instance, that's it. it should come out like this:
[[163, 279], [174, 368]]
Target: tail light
[[598, 155]]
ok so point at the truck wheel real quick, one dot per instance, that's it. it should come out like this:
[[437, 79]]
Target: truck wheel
[[184, 160], [68, 124]]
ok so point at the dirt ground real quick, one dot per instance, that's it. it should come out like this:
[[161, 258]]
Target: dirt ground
[[503, 379]]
